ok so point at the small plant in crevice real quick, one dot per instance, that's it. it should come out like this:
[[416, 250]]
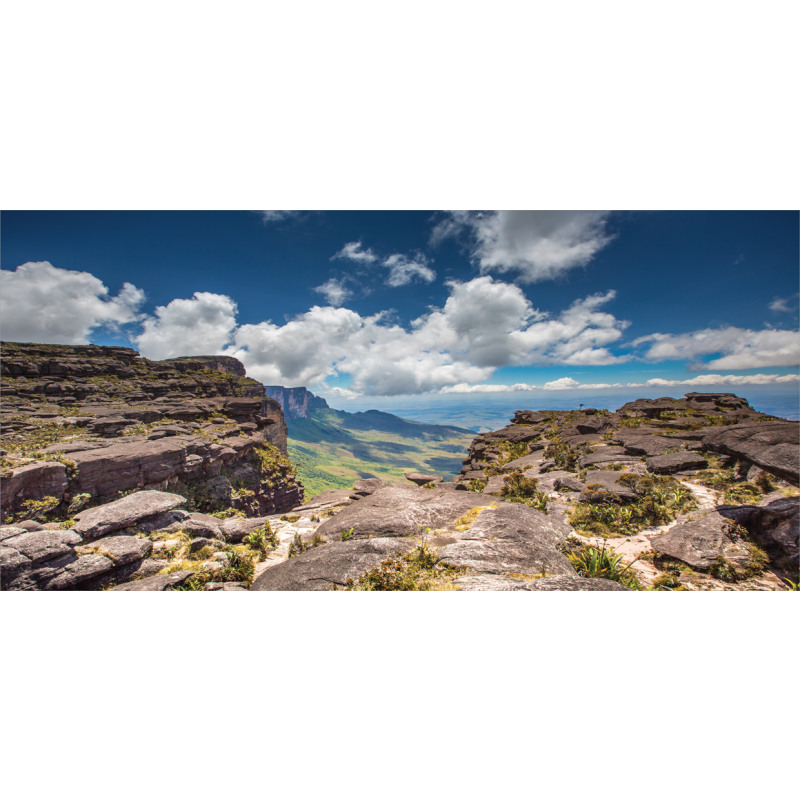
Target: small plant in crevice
[[416, 571], [594, 562], [299, 545], [519, 489], [262, 539]]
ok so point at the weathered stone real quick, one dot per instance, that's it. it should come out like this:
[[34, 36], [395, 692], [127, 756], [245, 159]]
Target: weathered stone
[[400, 511], [125, 512], [592, 424], [122, 549], [676, 462], [41, 546], [514, 434], [421, 479], [573, 583], [158, 583], [569, 484], [329, 566], [600, 482], [702, 542], [199, 544], [773, 446], [236, 528], [84, 569], [526, 462], [606, 455], [34, 481], [367, 486]]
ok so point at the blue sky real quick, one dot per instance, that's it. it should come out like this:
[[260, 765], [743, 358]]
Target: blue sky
[[370, 305]]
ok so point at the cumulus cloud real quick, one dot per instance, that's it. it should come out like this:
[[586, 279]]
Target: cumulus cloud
[[537, 245], [405, 269], [334, 290], [354, 251], [567, 384], [43, 303], [483, 325], [735, 348], [201, 325]]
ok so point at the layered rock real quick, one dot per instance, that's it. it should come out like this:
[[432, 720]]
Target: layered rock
[[295, 402], [83, 424]]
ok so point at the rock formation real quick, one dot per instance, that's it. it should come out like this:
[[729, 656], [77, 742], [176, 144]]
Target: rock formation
[[295, 402], [130, 475], [80, 425]]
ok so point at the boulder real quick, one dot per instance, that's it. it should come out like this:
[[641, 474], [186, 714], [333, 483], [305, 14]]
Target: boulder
[[514, 434], [702, 542], [526, 462], [592, 424], [648, 445], [236, 528], [122, 549], [600, 482], [606, 455], [329, 566], [125, 512], [83, 569], [158, 583], [34, 481], [676, 462], [367, 486], [400, 511], [421, 479], [773, 446]]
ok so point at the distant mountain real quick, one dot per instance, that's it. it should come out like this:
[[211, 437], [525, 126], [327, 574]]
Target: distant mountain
[[331, 449], [295, 402]]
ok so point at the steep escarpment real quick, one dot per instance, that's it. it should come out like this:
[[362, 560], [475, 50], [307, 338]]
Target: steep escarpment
[[296, 402], [82, 425]]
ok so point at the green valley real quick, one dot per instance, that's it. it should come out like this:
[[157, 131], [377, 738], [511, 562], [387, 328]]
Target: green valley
[[331, 449]]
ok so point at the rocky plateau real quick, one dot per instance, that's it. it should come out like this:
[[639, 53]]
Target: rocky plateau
[[131, 475]]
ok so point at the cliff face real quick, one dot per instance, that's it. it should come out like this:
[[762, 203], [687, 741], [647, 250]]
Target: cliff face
[[83, 424], [295, 402]]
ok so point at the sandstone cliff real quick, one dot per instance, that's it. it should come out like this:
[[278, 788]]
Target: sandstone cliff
[[81, 425], [295, 402]]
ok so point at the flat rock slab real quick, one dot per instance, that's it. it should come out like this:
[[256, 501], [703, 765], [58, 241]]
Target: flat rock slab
[[607, 481], [570, 583], [327, 567], [41, 546], [125, 512], [400, 511], [505, 556], [514, 434], [158, 583], [701, 542], [524, 463], [676, 462], [421, 479], [650, 445], [84, 569], [607, 455], [122, 549], [773, 446]]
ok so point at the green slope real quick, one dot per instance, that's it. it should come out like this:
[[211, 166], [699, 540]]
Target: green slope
[[332, 449]]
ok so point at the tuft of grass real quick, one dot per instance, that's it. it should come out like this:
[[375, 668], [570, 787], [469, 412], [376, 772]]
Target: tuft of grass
[[519, 489], [261, 540], [347, 534], [593, 562], [416, 571], [465, 523]]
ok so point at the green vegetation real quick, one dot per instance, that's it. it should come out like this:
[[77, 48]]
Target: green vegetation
[[593, 562], [736, 491], [262, 540], [416, 571], [333, 449], [519, 489], [660, 499], [476, 485], [347, 534], [667, 583], [300, 545]]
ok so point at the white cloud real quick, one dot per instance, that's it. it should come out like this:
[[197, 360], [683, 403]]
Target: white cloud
[[201, 325], [736, 348], [538, 245], [404, 269], [354, 251], [276, 216], [334, 290], [566, 384], [784, 305], [43, 303], [484, 324]]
